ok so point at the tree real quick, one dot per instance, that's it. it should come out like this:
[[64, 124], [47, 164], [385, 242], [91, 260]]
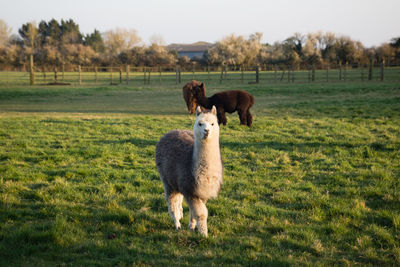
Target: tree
[[311, 51], [70, 33], [50, 33], [29, 34], [119, 40], [235, 50], [95, 40], [157, 39], [295, 43], [345, 50], [5, 33], [395, 42]]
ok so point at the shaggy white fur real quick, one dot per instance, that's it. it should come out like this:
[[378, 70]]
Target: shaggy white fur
[[190, 166]]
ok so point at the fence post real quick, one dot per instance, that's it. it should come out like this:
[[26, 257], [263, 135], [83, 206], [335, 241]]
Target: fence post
[[242, 74], [44, 74], [222, 75], [226, 71], [31, 70], [148, 77], [192, 71], [159, 71], [95, 74], [62, 79], [313, 73], [362, 72], [144, 75], [292, 73], [179, 75], [55, 75], [345, 71], [80, 74], [111, 76], [120, 75], [176, 74], [257, 74], [208, 72], [371, 62], [382, 70], [127, 74], [288, 74], [327, 72], [275, 73], [340, 71]]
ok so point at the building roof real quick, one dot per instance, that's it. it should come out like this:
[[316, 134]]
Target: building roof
[[195, 47]]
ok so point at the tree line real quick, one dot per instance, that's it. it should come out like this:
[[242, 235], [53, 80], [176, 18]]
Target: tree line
[[53, 43]]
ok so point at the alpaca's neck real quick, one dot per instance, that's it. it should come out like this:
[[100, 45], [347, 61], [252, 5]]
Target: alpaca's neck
[[204, 101], [206, 155]]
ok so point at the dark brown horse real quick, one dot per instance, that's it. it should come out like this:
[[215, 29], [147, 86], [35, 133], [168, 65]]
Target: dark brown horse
[[227, 101]]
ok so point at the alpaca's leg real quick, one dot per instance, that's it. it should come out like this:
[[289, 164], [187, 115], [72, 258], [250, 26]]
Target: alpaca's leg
[[249, 118], [192, 221], [200, 214], [242, 116], [175, 207], [221, 116]]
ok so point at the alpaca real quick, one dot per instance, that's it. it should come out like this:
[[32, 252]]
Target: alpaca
[[190, 167], [187, 91], [227, 101]]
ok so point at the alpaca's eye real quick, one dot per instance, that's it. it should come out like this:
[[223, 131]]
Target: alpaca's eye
[[200, 124], [212, 124]]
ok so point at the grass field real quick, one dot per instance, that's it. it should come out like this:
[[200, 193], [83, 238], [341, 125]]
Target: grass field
[[314, 182]]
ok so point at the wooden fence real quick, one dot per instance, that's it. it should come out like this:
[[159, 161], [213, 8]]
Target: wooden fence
[[126, 75]]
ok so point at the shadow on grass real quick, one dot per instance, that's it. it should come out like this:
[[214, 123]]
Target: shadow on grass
[[290, 146], [75, 234]]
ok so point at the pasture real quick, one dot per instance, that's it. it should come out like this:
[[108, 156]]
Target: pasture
[[314, 181]]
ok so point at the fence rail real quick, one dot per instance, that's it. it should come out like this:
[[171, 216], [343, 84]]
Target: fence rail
[[84, 75]]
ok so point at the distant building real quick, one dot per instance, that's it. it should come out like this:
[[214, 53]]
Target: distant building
[[195, 50]]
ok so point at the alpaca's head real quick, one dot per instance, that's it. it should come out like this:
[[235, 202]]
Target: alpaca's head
[[189, 95], [206, 125], [199, 91]]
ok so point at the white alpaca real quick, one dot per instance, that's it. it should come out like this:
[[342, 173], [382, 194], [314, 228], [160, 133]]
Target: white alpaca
[[190, 167]]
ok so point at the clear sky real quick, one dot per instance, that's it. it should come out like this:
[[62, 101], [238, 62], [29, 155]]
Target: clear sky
[[185, 21]]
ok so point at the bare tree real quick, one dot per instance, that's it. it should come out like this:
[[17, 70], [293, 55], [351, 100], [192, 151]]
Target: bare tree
[[236, 50], [5, 33], [157, 39], [119, 40]]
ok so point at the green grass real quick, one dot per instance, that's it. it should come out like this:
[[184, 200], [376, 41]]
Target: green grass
[[315, 181]]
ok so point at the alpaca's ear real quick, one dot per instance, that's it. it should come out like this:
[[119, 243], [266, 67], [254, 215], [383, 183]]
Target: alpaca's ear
[[202, 85], [198, 110], [214, 110]]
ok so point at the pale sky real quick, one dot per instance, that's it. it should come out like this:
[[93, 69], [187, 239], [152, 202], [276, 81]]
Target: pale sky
[[372, 22]]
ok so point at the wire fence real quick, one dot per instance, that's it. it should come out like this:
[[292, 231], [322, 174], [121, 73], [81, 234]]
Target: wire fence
[[211, 74]]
